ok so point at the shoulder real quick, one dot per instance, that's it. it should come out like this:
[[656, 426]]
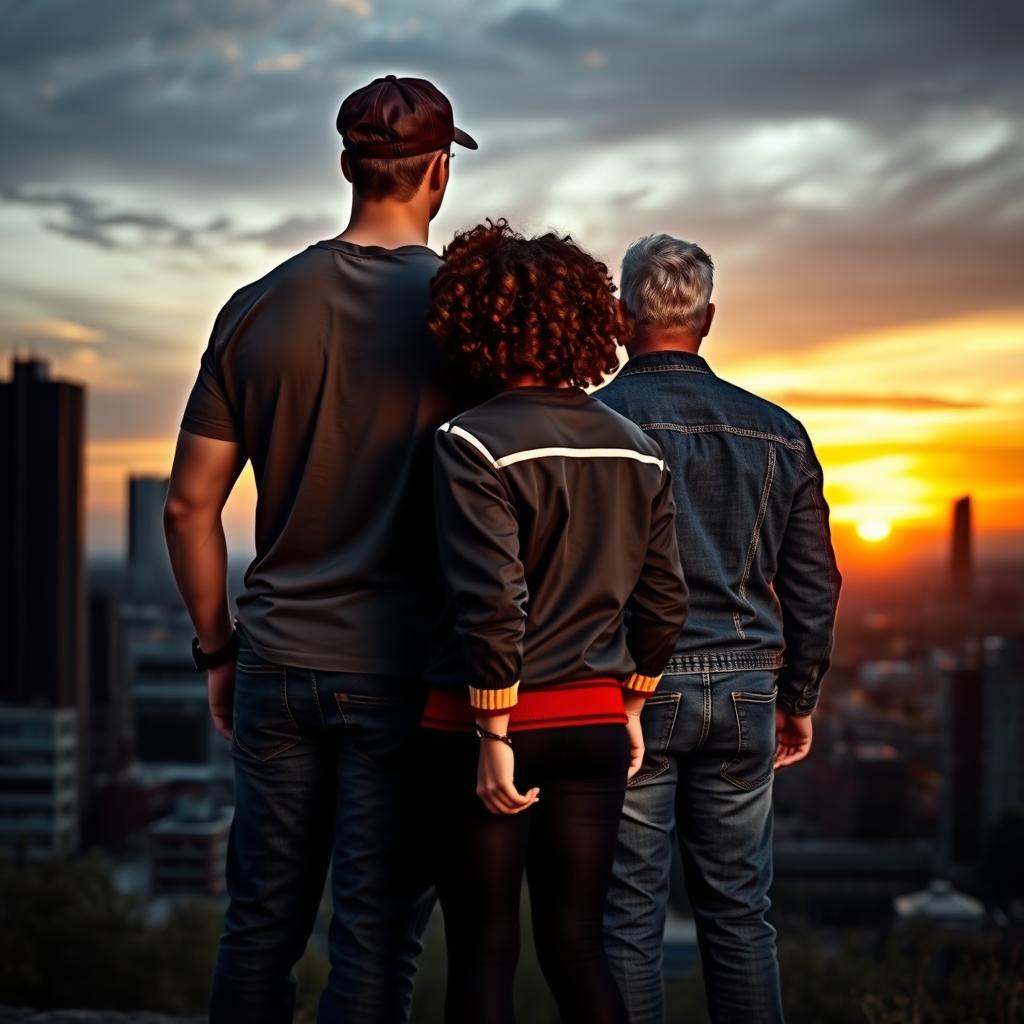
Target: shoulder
[[296, 279], [768, 412], [628, 432]]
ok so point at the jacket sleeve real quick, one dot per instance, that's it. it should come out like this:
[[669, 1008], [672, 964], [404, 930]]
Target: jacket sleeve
[[478, 538], [807, 585], [657, 609]]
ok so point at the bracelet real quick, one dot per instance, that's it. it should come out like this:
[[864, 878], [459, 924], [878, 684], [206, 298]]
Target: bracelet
[[485, 735]]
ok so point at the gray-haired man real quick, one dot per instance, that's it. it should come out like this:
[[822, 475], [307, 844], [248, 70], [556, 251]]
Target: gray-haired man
[[737, 697]]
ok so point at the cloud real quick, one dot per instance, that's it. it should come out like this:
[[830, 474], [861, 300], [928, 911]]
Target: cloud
[[55, 329], [98, 223], [292, 232], [282, 62], [360, 8]]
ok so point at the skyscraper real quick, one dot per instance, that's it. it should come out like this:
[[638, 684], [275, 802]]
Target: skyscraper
[[149, 568], [42, 583], [44, 699], [961, 566]]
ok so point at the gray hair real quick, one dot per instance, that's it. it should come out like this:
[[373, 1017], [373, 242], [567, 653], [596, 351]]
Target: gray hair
[[667, 282]]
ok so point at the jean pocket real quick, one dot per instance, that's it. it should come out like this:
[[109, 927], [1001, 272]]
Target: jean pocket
[[263, 724], [755, 742], [659, 721]]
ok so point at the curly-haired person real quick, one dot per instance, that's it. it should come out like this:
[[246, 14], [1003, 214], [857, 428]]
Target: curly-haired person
[[554, 516]]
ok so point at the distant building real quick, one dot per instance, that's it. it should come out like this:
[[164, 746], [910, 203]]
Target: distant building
[[1003, 765], [42, 582], [846, 883], [42, 588], [964, 764], [110, 713], [176, 741], [188, 849], [39, 799], [961, 565], [149, 568], [940, 906]]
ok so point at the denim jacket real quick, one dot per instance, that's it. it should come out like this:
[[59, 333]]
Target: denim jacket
[[752, 523]]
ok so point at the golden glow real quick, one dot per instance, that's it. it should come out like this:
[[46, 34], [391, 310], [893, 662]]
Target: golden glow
[[906, 420], [874, 530]]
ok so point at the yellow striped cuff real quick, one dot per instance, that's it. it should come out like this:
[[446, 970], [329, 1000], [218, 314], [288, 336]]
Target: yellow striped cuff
[[642, 684], [494, 700]]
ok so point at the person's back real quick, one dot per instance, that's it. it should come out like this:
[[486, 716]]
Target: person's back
[[746, 485], [323, 374], [554, 517], [737, 695]]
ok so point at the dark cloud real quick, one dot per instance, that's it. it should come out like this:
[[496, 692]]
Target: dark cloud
[[167, 100], [292, 233], [97, 223]]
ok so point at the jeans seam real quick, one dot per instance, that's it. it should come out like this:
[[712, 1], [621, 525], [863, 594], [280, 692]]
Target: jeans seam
[[663, 761], [284, 700], [705, 725], [316, 699], [724, 771]]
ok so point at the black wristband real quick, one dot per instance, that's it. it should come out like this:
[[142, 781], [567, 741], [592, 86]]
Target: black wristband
[[222, 656], [485, 735]]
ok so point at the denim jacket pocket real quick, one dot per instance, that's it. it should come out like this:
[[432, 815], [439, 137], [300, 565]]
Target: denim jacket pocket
[[659, 721], [755, 743], [263, 725]]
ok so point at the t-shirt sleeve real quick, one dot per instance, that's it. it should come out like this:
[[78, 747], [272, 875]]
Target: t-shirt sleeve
[[208, 411]]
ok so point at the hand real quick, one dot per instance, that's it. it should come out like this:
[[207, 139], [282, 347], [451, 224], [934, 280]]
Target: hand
[[636, 746], [220, 685], [793, 735], [494, 781]]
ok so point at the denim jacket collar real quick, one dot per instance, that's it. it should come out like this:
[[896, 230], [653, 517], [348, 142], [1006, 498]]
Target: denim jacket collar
[[667, 361]]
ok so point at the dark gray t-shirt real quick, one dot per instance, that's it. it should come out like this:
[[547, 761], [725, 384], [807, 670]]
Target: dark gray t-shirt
[[326, 375]]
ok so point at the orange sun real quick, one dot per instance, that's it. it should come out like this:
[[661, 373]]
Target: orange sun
[[874, 530]]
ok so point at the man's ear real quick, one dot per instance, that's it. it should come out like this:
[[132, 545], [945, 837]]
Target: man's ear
[[626, 324], [708, 317], [437, 175], [346, 167]]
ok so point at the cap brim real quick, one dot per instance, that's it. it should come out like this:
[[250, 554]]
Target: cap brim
[[464, 139]]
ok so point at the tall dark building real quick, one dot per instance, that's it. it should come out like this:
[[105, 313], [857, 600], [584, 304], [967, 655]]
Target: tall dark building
[[44, 693], [965, 765], [110, 708], [961, 565], [149, 567], [42, 582]]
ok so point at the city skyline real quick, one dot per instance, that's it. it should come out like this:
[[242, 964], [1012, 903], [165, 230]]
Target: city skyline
[[855, 173]]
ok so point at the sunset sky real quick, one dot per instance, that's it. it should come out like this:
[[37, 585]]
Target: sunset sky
[[856, 169]]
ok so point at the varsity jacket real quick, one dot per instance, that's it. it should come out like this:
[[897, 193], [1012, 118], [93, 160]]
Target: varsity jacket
[[555, 525]]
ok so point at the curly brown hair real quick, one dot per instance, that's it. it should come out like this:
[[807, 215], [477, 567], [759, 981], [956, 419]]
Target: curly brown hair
[[504, 305]]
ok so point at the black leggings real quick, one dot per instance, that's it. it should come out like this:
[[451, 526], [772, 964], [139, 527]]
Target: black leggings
[[565, 843]]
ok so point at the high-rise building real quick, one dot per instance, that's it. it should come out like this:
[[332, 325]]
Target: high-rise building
[[961, 564], [39, 791], [149, 568], [44, 690], [1003, 790], [188, 849], [964, 764], [110, 712], [42, 581]]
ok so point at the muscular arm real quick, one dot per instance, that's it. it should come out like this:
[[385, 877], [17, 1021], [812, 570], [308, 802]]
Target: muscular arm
[[205, 470]]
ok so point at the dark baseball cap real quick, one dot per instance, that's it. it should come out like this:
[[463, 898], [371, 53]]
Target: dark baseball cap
[[396, 117]]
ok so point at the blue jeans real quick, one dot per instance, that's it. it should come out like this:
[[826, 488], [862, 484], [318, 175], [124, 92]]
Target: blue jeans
[[707, 773], [322, 775]]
